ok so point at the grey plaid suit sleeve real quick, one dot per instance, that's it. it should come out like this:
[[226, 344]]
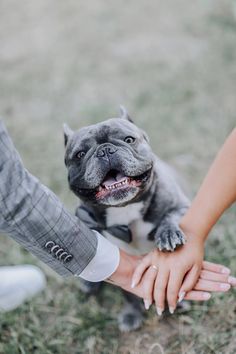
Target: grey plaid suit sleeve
[[33, 216]]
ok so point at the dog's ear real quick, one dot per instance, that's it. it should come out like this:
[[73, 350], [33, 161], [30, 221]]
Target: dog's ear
[[124, 114], [67, 133]]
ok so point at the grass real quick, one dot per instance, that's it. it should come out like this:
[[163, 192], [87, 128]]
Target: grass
[[173, 65]]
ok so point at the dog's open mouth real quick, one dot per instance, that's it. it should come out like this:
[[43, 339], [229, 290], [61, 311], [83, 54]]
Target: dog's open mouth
[[116, 181]]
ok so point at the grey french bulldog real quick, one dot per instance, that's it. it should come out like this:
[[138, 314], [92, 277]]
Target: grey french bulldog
[[128, 194]]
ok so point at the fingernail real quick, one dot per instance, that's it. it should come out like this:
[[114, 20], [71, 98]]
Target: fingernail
[[159, 311], [225, 270], [147, 304], [171, 310], [133, 284], [232, 280], [225, 286], [181, 296], [206, 296]]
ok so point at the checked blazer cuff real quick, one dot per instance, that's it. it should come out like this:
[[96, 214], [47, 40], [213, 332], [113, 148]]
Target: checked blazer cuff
[[33, 216]]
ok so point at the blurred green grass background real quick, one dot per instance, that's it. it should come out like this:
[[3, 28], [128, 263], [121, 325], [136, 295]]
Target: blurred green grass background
[[173, 65]]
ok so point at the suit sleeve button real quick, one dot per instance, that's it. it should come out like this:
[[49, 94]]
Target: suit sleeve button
[[60, 251], [63, 255], [49, 244], [68, 258]]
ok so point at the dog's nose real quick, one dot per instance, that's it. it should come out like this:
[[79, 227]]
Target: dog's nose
[[106, 150]]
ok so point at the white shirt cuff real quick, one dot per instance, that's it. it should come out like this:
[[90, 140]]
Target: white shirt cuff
[[104, 263]]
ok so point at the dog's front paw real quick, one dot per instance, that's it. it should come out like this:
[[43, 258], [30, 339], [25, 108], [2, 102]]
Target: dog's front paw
[[130, 319], [168, 237]]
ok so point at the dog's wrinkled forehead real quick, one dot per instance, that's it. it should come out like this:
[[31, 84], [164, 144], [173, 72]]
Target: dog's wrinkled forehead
[[100, 133], [115, 128]]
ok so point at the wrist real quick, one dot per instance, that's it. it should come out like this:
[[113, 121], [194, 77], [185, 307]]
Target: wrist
[[192, 234], [123, 274], [194, 228]]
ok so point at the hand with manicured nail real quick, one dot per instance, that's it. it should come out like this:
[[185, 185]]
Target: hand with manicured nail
[[179, 275], [182, 270]]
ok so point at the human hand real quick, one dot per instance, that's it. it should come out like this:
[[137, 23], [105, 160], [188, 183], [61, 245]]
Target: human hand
[[174, 275], [122, 277]]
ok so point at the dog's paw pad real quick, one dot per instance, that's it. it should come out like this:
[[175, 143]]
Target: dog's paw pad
[[169, 237], [130, 321]]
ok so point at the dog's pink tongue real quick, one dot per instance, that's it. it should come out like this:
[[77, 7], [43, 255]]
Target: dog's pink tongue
[[111, 180]]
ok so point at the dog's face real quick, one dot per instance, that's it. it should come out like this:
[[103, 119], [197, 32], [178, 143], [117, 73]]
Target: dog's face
[[109, 163]]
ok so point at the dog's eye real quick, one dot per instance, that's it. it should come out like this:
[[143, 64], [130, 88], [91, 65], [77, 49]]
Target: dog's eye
[[80, 154], [129, 140]]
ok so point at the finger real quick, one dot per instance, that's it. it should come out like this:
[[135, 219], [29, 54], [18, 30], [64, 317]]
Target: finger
[[212, 286], [173, 287], [160, 290], [140, 269], [217, 268], [189, 282], [197, 295], [208, 275], [148, 282]]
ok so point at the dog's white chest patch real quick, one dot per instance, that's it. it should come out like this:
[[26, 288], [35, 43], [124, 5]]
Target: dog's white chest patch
[[124, 215], [131, 216]]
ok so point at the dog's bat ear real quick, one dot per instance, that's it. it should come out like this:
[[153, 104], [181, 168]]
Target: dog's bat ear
[[67, 133], [125, 114]]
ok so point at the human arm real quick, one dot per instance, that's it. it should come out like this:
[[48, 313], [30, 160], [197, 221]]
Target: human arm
[[216, 194], [33, 216]]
